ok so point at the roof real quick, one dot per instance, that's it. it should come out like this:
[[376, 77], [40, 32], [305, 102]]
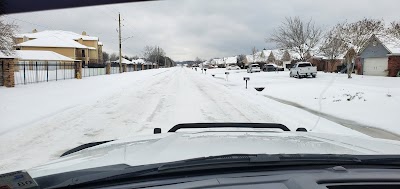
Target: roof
[[390, 42], [40, 55], [138, 61], [231, 60], [58, 33], [4, 55], [52, 41], [124, 61]]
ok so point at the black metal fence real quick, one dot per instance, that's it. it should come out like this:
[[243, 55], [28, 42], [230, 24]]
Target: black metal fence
[[94, 70], [115, 68], [130, 67], [39, 71]]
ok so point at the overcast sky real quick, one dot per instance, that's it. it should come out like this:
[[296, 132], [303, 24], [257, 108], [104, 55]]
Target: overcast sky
[[186, 29]]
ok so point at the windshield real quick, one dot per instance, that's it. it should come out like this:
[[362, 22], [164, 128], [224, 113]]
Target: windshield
[[73, 76], [305, 65]]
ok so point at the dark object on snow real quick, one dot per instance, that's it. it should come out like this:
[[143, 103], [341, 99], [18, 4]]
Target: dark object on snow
[[301, 129], [157, 130], [213, 75], [259, 89], [84, 146]]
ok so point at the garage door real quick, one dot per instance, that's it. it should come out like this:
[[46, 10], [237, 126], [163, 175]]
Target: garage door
[[375, 66]]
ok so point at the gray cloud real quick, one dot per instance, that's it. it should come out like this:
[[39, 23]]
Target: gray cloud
[[203, 28]]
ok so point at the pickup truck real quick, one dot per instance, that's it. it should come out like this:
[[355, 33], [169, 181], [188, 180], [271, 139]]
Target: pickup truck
[[303, 69]]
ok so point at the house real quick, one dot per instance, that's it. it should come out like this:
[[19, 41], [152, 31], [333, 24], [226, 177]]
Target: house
[[231, 60], [81, 47], [380, 56]]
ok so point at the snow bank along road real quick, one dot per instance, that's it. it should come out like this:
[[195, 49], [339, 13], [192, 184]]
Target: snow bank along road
[[41, 121]]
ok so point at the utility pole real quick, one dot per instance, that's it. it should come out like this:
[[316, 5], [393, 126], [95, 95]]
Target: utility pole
[[165, 61], [120, 45]]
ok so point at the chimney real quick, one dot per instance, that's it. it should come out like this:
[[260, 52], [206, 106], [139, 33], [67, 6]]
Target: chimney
[[80, 40], [25, 39], [83, 33], [34, 31]]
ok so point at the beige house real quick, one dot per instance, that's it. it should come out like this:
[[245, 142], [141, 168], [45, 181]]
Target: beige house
[[81, 47]]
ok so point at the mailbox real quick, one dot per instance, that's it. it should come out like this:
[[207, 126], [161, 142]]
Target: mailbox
[[227, 73], [246, 78]]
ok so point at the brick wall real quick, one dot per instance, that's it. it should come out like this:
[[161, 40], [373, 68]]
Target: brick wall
[[359, 66], [326, 65], [393, 65]]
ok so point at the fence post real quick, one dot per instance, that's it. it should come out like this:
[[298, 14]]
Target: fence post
[[56, 70], [24, 74], [142, 66], [8, 73], [108, 68], [124, 68], [47, 68], [78, 70], [36, 71]]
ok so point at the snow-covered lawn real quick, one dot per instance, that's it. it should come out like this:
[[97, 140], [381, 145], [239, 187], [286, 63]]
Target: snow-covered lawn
[[41, 121], [369, 100]]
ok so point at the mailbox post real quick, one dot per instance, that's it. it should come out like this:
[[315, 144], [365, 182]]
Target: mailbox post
[[205, 71], [246, 79], [227, 74]]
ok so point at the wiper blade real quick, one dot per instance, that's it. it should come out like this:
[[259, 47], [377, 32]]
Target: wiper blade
[[212, 162]]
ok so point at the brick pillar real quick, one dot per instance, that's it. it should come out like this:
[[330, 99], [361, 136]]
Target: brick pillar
[[142, 66], [393, 65], [108, 68], [135, 67], [78, 70], [124, 68], [8, 73]]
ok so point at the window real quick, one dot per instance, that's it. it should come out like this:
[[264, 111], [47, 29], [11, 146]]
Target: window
[[305, 65], [83, 53]]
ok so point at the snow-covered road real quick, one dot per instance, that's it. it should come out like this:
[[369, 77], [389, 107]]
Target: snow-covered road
[[111, 107]]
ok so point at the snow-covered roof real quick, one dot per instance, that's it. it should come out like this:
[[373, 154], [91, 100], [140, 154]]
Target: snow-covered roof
[[58, 33], [40, 55], [138, 61], [5, 55], [124, 61], [231, 60], [391, 43], [52, 41], [217, 61], [100, 43]]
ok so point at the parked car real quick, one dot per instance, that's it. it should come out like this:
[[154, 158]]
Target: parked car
[[232, 67], [303, 69], [253, 68], [272, 67]]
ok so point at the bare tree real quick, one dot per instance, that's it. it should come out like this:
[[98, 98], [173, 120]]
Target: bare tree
[[299, 36], [286, 56], [241, 60], [7, 31], [254, 53], [271, 58], [106, 56], [114, 57], [147, 52], [357, 35], [333, 44], [394, 29]]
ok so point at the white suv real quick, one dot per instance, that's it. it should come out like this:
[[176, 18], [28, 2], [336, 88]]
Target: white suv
[[253, 68]]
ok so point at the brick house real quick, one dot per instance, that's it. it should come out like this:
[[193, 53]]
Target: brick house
[[380, 56], [82, 47]]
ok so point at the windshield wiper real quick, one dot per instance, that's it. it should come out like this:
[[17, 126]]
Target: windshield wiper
[[232, 161]]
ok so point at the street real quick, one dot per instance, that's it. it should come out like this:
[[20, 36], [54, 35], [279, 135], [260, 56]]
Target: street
[[131, 104]]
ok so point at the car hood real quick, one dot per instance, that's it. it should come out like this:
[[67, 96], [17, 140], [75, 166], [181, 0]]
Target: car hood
[[159, 148]]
